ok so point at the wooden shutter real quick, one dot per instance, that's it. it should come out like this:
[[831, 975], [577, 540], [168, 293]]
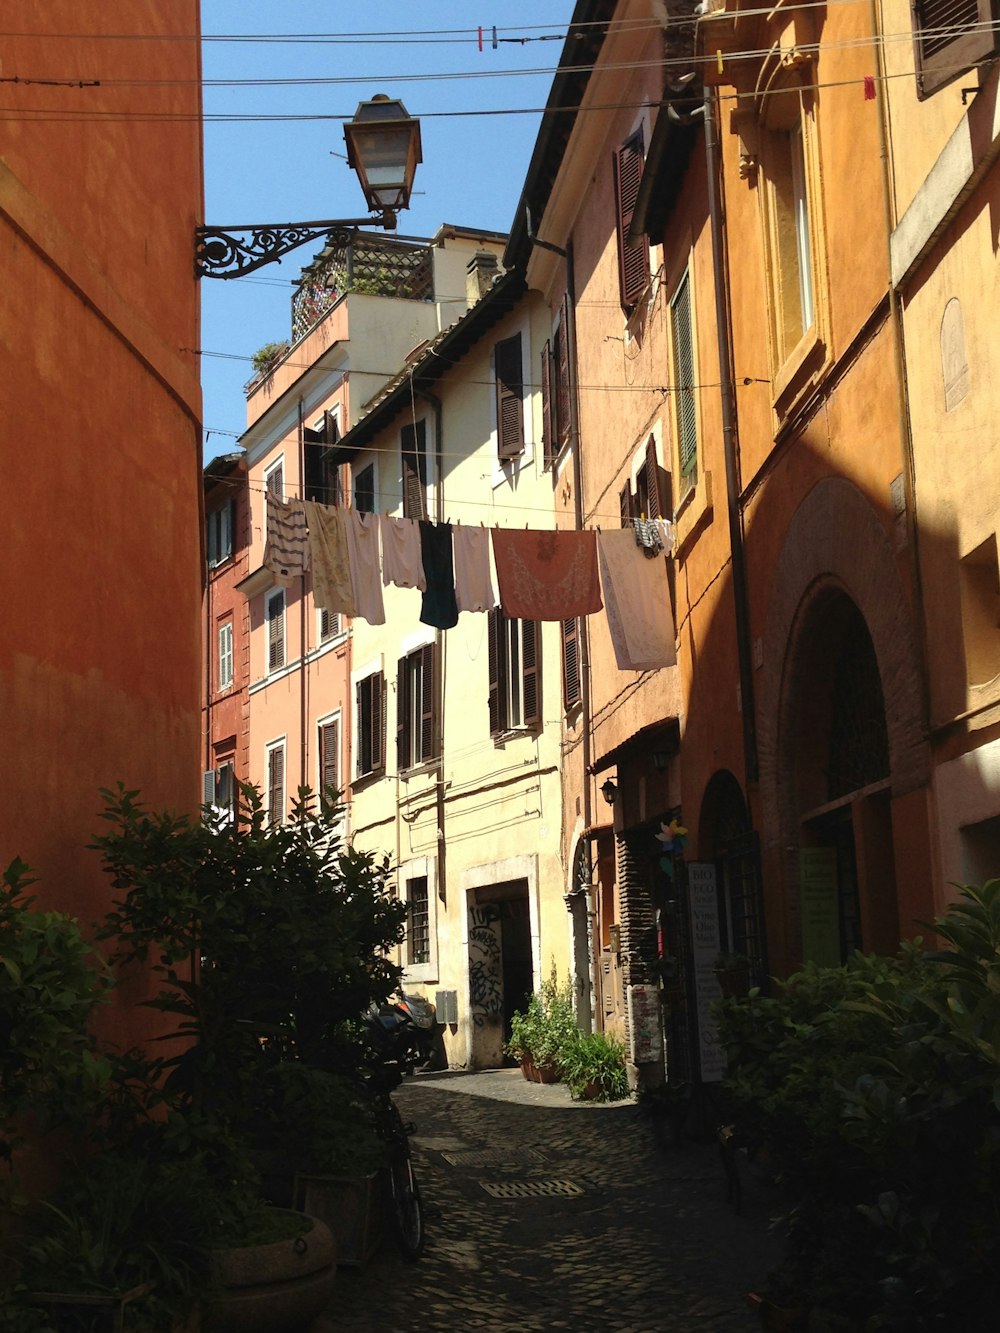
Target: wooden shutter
[[276, 784], [562, 375], [314, 448], [549, 446], [276, 632], [403, 713], [571, 662], [684, 377], [329, 758], [655, 491], [625, 504], [531, 666], [378, 721], [510, 391], [208, 787], [494, 635], [633, 260], [427, 710], [413, 450], [950, 37]]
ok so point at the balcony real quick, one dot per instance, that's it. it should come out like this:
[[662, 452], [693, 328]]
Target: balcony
[[369, 265]]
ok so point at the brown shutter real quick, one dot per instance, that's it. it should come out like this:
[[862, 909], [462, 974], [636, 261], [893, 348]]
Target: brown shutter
[[625, 504], [510, 391], [378, 721], [571, 662], [276, 784], [494, 634], [562, 374], [403, 756], [633, 260], [276, 633], [950, 37], [427, 702], [414, 458], [549, 445], [329, 758], [531, 664], [654, 498]]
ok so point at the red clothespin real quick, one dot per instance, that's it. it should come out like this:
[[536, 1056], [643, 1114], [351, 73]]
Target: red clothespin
[[480, 37], [869, 88]]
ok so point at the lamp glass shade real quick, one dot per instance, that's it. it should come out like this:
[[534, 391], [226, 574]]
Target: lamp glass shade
[[383, 147]]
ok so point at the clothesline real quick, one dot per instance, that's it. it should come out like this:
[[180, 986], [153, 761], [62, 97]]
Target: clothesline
[[541, 574]]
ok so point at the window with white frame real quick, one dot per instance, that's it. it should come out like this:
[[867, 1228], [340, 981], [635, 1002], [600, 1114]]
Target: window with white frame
[[515, 661], [219, 534], [418, 881], [415, 707], [275, 618], [218, 789], [369, 712], [225, 655], [276, 782]]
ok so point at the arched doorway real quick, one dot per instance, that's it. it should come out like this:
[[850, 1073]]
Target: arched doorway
[[728, 840]]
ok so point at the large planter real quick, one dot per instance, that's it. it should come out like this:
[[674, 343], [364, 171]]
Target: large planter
[[351, 1206], [273, 1288]]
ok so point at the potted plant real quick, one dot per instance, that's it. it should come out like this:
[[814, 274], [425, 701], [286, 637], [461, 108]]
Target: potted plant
[[733, 973], [592, 1065]]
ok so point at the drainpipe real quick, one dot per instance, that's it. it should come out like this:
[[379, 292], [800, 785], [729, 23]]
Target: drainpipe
[[303, 710], [729, 444], [440, 649]]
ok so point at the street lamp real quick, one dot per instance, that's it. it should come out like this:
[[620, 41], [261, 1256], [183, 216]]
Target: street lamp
[[383, 147]]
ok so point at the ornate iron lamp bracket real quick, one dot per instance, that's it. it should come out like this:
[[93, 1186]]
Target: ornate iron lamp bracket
[[230, 252]]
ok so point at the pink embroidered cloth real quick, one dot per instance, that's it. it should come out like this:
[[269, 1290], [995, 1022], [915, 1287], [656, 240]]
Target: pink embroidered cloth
[[547, 575]]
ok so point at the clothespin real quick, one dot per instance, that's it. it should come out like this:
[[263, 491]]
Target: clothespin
[[718, 61], [869, 88], [480, 37], [494, 38]]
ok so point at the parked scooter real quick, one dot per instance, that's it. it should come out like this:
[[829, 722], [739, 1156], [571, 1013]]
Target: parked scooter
[[409, 1025]]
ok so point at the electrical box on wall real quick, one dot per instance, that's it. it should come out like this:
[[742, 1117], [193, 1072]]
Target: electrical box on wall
[[446, 1004]]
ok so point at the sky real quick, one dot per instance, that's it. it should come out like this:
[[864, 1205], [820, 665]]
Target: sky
[[262, 170]]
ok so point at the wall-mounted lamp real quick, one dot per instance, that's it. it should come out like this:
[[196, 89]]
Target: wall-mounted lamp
[[609, 791], [383, 147]]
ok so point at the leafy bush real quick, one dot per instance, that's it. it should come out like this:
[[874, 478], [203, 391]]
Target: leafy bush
[[874, 1091], [547, 1026], [593, 1065]]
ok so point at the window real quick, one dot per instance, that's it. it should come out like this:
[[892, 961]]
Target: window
[[556, 422], [950, 37], [322, 469], [274, 480], [686, 417], [418, 932], [509, 379], [652, 496], [571, 663], [364, 490], [413, 449], [370, 705], [275, 615], [415, 713], [515, 698], [225, 655], [218, 788], [219, 534], [633, 259], [276, 783], [329, 624], [328, 751]]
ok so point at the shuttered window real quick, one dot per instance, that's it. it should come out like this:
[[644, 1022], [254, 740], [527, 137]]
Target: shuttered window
[[413, 449], [329, 757], [219, 534], [370, 704], [418, 914], [571, 662], [225, 655], [510, 395], [633, 260], [276, 784], [276, 630], [515, 662], [322, 469], [364, 490], [682, 339], [652, 492], [950, 37], [550, 442], [415, 712], [329, 624]]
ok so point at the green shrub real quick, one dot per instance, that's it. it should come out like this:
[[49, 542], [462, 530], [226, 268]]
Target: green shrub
[[546, 1027], [593, 1065]]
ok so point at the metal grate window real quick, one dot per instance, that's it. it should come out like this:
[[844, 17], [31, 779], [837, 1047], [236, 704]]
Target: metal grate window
[[418, 922]]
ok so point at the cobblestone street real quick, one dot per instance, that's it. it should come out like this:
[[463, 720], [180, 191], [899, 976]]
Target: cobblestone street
[[599, 1226]]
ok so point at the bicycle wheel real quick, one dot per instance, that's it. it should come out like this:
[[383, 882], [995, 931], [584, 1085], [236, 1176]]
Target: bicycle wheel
[[406, 1211]]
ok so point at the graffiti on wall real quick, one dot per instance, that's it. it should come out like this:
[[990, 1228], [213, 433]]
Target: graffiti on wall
[[485, 965]]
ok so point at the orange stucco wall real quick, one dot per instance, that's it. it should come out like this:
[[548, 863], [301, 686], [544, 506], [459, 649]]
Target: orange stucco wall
[[100, 405]]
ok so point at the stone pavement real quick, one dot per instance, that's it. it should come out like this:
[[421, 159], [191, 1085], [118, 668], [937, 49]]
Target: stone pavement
[[600, 1224]]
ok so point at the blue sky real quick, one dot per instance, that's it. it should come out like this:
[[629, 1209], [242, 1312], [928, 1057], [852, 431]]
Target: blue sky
[[293, 170]]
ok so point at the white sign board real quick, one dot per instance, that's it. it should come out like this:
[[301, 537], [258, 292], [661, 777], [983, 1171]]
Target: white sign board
[[704, 951], [645, 1034]]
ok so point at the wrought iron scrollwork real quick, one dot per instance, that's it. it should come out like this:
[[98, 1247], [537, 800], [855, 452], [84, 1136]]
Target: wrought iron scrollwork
[[230, 252]]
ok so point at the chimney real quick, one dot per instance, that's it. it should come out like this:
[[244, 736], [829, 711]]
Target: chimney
[[480, 272]]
